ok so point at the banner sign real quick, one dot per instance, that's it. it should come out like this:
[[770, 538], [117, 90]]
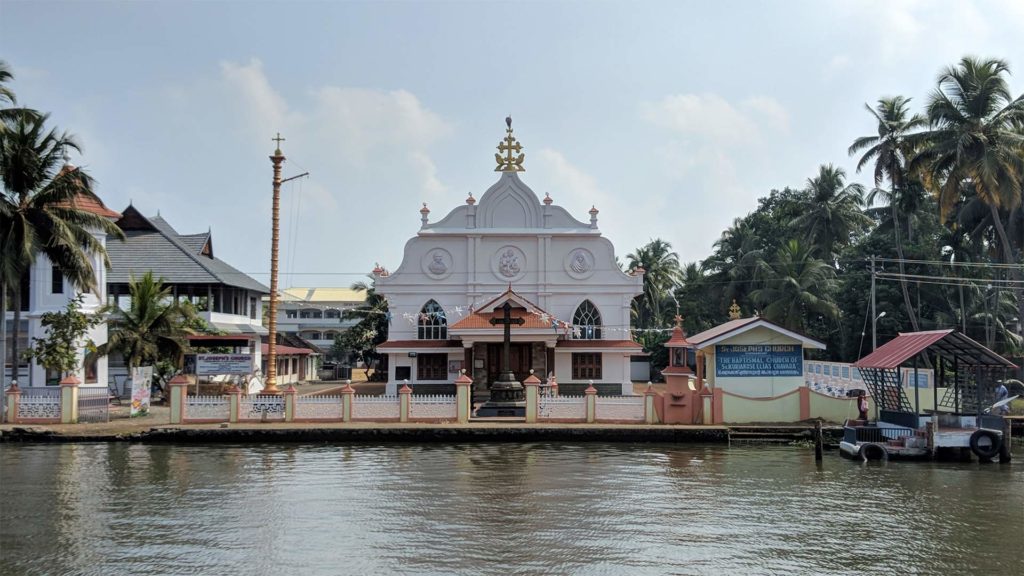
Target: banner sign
[[748, 360], [142, 380], [215, 364]]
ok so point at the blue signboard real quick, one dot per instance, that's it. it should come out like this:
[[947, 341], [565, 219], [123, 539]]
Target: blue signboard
[[744, 360]]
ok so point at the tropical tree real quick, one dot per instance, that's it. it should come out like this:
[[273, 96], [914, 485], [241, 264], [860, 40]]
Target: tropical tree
[[38, 214], [833, 212], [662, 274], [371, 330], [153, 328], [58, 349], [738, 256], [975, 146], [890, 151], [798, 288]]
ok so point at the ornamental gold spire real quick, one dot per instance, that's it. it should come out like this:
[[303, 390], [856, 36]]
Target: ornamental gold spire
[[507, 158], [734, 311]]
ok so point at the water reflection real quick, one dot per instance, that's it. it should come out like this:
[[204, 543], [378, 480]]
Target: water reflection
[[495, 509]]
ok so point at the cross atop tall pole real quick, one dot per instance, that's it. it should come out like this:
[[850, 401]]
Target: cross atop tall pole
[[270, 386]]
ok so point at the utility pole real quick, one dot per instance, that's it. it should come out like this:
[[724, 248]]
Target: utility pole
[[874, 315], [270, 386]]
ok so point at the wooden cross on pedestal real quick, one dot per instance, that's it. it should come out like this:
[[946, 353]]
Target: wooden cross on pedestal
[[507, 320]]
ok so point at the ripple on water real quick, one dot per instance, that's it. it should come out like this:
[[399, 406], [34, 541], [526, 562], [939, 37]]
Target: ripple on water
[[495, 509]]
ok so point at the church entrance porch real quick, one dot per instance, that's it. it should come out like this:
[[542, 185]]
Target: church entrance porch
[[520, 360]]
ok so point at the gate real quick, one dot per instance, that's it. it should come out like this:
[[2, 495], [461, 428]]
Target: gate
[[93, 405]]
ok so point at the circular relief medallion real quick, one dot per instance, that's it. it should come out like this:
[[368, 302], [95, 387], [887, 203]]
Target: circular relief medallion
[[438, 263], [509, 263], [579, 263]]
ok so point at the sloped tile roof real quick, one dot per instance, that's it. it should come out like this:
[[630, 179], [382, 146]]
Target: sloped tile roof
[[92, 204], [152, 244], [597, 344], [420, 344], [478, 320]]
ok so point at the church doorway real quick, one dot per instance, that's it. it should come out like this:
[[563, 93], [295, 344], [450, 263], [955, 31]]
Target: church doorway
[[520, 359]]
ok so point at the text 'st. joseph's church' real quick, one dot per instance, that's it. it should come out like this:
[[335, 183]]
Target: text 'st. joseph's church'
[[559, 274]]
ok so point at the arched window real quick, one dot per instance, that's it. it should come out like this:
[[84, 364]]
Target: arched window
[[433, 324], [332, 314], [588, 320]]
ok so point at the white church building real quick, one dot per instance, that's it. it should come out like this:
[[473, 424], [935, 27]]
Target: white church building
[[558, 273]]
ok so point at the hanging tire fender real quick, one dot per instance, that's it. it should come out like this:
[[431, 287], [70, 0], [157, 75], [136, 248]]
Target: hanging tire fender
[[873, 451], [986, 443]]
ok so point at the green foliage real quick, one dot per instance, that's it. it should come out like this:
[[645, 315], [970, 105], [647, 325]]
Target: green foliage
[[153, 328], [360, 341], [801, 259], [58, 350]]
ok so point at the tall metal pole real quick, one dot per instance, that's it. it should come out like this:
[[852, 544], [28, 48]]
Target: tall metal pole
[[874, 314], [270, 387]]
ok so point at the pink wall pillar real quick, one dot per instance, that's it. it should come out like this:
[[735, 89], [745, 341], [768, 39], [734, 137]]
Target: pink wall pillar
[[347, 393], [178, 385], [234, 403], [69, 399], [805, 402], [591, 395], [404, 398], [13, 399]]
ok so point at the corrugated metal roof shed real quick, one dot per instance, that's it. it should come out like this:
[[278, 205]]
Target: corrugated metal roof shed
[[948, 343]]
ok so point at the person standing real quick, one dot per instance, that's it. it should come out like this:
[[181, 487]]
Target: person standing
[[1001, 394], [862, 406]]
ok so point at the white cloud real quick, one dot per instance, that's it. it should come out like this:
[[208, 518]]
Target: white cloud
[[368, 152], [261, 104], [712, 118]]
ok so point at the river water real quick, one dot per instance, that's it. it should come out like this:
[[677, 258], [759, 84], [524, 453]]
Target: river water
[[110, 509]]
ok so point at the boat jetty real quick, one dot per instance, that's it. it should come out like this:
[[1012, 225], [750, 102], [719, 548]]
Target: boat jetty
[[964, 418]]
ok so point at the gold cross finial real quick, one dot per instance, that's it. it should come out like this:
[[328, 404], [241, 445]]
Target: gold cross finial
[[679, 321], [278, 139], [734, 311], [512, 161]]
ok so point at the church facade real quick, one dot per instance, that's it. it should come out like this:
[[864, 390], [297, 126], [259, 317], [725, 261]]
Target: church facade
[[569, 297]]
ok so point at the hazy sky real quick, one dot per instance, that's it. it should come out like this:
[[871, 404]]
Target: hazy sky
[[672, 118]]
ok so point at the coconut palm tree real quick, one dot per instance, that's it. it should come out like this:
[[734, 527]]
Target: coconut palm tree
[[38, 214], [662, 274], [797, 286], [890, 151], [975, 143], [833, 212], [152, 328]]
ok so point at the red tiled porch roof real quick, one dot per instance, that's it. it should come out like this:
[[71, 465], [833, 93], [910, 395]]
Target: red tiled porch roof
[[420, 344], [478, 320], [597, 344]]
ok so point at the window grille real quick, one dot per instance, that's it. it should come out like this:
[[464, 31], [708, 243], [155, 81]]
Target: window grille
[[432, 323], [588, 320]]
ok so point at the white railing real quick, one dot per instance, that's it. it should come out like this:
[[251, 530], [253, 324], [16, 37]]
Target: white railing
[[619, 408], [318, 408], [438, 406], [562, 408], [39, 405], [261, 408], [207, 408], [365, 407]]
